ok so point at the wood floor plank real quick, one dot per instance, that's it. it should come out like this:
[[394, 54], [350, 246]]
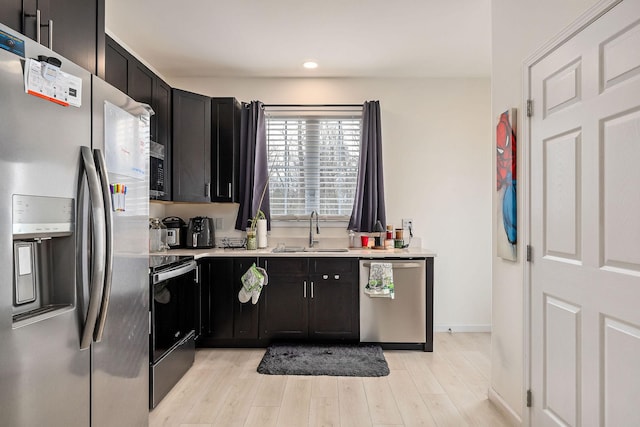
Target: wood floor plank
[[354, 411], [237, 404], [417, 364], [296, 402], [382, 404], [270, 390], [412, 408], [209, 402], [324, 411], [394, 360], [324, 386], [443, 410], [262, 416]]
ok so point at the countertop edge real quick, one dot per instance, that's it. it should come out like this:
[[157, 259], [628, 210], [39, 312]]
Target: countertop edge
[[267, 252]]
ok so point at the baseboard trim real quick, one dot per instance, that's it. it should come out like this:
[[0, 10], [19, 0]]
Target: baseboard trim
[[462, 328], [504, 408]]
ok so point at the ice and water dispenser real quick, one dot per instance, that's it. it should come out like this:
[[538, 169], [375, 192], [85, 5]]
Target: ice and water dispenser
[[44, 257]]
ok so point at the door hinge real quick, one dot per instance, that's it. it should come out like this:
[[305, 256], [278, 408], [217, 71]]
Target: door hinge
[[529, 398], [529, 251], [529, 108]]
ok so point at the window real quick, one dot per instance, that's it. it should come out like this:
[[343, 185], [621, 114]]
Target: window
[[313, 157]]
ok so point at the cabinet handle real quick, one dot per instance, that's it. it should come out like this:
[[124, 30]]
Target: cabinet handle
[[337, 277], [311, 290], [38, 20], [207, 189], [304, 289], [229, 189], [265, 263], [51, 34], [325, 276]]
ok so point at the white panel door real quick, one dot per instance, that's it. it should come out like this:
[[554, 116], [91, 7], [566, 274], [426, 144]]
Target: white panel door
[[585, 226]]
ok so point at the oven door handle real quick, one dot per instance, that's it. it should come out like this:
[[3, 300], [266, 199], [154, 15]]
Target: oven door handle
[[170, 274]]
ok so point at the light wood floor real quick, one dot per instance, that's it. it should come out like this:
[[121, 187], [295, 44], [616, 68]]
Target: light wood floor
[[445, 388]]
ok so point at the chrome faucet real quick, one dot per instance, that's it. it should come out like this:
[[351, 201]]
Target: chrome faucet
[[311, 240]]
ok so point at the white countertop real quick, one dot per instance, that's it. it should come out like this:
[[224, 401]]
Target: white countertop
[[352, 253]]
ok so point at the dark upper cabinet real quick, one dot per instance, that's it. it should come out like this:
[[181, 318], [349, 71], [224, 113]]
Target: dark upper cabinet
[[191, 147], [225, 149], [127, 73], [140, 84], [161, 128], [72, 28], [117, 60], [11, 14]]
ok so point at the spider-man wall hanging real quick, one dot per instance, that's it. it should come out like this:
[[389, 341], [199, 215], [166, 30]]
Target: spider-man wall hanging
[[506, 185]]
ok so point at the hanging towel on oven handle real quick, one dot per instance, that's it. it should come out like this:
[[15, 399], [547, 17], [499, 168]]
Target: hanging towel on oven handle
[[380, 282]]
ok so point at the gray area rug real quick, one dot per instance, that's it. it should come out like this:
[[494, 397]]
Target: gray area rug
[[317, 359]]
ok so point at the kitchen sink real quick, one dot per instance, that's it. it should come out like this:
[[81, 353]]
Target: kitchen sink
[[326, 250], [288, 249], [294, 249]]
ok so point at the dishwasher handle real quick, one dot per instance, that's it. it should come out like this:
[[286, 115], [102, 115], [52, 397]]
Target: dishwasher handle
[[397, 265]]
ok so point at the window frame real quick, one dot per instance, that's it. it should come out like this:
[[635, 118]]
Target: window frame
[[352, 115]]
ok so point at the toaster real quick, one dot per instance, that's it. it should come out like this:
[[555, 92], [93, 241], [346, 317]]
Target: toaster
[[200, 233]]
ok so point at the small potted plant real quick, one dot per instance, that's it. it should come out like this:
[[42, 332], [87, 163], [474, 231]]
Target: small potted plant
[[258, 221], [252, 240]]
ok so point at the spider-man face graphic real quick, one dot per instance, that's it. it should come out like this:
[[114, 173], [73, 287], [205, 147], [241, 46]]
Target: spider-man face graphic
[[506, 150]]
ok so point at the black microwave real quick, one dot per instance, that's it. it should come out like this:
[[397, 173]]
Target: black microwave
[[156, 170]]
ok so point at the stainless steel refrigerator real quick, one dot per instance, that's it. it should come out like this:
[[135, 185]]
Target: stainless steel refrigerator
[[74, 287]]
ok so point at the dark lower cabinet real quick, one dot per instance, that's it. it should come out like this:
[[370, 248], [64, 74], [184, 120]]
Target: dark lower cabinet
[[305, 299], [284, 304], [310, 298], [334, 305], [224, 320]]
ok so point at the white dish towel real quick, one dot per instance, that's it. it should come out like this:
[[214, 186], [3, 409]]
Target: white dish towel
[[380, 280]]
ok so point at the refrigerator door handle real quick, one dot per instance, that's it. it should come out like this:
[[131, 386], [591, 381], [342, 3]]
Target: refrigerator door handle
[[98, 247], [106, 292]]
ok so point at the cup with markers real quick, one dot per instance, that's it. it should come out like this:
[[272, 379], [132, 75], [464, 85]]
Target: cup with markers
[[118, 193]]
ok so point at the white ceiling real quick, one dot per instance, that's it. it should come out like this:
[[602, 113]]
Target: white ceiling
[[272, 38]]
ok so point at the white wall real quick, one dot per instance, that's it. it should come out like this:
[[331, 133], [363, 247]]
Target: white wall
[[437, 164], [519, 27]]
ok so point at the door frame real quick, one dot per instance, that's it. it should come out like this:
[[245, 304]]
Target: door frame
[[583, 21]]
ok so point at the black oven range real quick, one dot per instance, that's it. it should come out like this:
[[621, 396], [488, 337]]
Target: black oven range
[[174, 303]]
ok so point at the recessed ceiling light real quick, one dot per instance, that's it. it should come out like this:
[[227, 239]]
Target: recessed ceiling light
[[310, 65]]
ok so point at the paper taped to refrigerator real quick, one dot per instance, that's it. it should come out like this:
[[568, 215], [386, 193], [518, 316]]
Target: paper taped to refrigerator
[[125, 149], [49, 82]]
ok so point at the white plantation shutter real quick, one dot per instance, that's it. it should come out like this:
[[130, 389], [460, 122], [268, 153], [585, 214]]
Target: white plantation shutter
[[313, 157]]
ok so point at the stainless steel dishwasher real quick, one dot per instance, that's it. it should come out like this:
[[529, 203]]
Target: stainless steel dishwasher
[[399, 322]]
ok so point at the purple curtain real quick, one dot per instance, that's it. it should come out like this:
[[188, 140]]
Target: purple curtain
[[368, 206], [254, 173]]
